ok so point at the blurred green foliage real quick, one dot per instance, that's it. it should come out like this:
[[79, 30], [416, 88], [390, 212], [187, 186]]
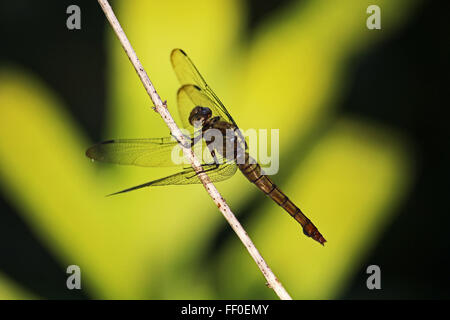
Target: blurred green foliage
[[146, 244]]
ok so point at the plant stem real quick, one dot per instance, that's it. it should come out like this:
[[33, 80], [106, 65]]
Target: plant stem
[[161, 108]]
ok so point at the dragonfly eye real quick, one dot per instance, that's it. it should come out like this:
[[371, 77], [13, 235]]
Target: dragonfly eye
[[199, 115]]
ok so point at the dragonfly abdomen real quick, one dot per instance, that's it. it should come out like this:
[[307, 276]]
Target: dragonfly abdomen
[[252, 171]]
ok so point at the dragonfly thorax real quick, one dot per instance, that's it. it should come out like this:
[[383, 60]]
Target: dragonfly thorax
[[199, 115]]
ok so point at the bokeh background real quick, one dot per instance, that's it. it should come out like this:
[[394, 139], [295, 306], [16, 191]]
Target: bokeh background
[[363, 147]]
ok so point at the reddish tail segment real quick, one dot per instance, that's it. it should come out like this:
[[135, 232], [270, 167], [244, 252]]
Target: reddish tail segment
[[252, 171]]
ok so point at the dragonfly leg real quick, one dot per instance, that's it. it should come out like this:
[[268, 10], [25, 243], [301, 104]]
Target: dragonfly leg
[[215, 163], [190, 143]]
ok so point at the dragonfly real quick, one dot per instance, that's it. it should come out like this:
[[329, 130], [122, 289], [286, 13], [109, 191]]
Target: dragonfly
[[201, 112]]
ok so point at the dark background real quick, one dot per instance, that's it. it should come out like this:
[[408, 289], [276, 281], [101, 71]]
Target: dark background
[[401, 82]]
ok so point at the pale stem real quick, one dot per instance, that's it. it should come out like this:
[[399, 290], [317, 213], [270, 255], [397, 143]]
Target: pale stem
[[161, 108]]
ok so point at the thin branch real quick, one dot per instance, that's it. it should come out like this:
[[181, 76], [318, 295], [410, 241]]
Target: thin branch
[[161, 108]]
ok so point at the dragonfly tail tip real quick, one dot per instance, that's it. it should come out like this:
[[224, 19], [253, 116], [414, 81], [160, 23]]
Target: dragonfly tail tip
[[319, 238]]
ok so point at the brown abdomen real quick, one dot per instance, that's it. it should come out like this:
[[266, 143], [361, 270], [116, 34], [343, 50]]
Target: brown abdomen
[[252, 171]]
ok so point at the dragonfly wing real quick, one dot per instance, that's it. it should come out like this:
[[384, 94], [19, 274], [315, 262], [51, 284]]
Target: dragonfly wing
[[139, 152], [190, 96], [188, 74], [189, 176], [185, 106], [185, 70]]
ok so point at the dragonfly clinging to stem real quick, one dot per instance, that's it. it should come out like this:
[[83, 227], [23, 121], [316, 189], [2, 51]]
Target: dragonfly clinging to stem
[[201, 112]]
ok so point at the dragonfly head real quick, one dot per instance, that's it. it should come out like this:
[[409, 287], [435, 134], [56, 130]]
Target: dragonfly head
[[199, 115]]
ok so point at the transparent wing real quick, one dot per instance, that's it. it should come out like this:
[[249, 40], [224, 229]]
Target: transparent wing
[[158, 152], [185, 106], [195, 88], [188, 97], [188, 176], [185, 70], [139, 152], [187, 73]]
